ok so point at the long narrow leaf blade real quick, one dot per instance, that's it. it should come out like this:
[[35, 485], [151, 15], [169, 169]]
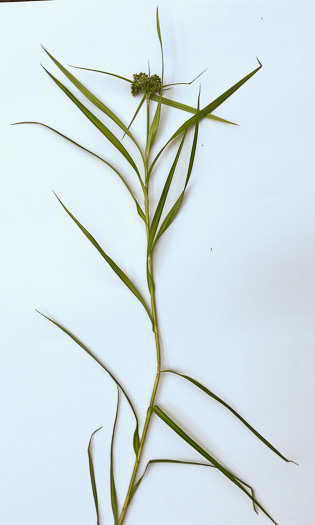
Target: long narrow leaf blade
[[136, 438], [92, 98], [180, 462], [216, 103], [214, 396], [180, 432], [97, 123], [156, 119], [92, 476], [186, 83], [161, 203], [174, 210], [139, 209], [188, 109], [110, 261], [153, 129], [160, 39], [206, 110], [153, 461], [104, 72], [113, 495], [136, 112]]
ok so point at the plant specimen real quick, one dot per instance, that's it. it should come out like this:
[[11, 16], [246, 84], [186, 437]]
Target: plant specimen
[[150, 88]]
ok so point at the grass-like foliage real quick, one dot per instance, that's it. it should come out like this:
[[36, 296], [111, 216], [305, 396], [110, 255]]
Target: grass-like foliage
[[151, 91]]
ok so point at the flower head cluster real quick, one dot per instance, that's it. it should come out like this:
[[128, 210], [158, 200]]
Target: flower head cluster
[[143, 83]]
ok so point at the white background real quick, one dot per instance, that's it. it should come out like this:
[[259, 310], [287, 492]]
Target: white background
[[235, 273]]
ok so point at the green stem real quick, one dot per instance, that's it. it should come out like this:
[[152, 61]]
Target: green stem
[[151, 288]]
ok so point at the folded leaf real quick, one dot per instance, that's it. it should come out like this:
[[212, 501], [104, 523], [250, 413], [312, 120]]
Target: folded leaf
[[113, 495], [162, 415], [92, 476], [110, 261], [211, 394], [90, 353]]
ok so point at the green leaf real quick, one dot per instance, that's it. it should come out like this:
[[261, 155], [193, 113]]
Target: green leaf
[[137, 111], [113, 495], [185, 83], [153, 130], [162, 415], [206, 110], [90, 353], [99, 125], [174, 210], [92, 476], [166, 101], [180, 462], [211, 394], [104, 72], [92, 98], [139, 209], [156, 119], [160, 39], [161, 203], [213, 105], [110, 261], [153, 461], [189, 109]]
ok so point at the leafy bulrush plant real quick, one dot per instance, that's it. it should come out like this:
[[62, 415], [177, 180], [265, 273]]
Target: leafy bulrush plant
[[150, 88]]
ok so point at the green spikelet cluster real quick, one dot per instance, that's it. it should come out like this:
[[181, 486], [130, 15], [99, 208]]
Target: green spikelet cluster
[[143, 83]]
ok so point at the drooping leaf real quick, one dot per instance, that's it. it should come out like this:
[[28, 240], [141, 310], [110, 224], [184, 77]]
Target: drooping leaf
[[174, 210], [181, 433], [90, 353], [214, 396], [206, 110], [161, 203], [180, 462], [153, 461], [189, 109], [110, 261], [139, 209], [92, 476], [113, 495], [98, 124], [92, 98]]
